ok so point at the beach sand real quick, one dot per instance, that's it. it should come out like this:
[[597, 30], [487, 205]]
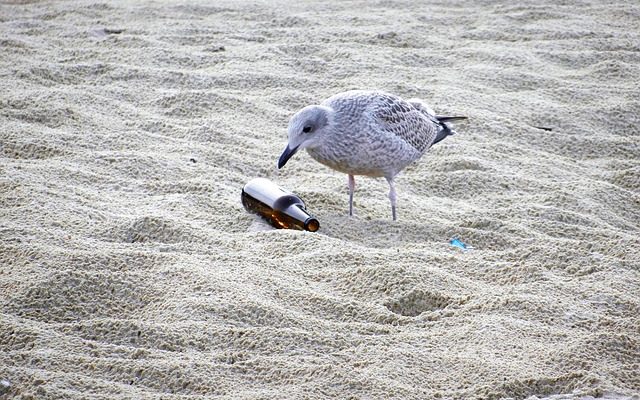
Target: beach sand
[[130, 270]]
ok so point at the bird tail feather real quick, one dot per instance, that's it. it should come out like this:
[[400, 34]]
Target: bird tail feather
[[446, 118], [445, 130]]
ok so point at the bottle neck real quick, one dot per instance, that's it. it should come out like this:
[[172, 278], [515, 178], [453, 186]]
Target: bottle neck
[[296, 215]]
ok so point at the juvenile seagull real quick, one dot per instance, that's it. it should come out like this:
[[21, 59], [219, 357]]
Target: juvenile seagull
[[368, 133]]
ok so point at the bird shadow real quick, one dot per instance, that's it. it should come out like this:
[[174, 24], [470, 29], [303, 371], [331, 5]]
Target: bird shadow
[[382, 233]]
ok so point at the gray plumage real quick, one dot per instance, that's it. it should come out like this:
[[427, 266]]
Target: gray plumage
[[368, 133]]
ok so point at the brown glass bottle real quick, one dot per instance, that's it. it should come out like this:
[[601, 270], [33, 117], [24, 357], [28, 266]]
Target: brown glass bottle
[[279, 207]]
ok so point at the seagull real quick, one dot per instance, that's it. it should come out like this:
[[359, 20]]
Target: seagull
[[370, 133]]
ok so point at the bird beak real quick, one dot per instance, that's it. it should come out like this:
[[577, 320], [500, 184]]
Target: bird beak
[[286, 155]]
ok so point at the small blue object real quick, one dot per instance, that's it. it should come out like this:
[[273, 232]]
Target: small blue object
[[455, 241]]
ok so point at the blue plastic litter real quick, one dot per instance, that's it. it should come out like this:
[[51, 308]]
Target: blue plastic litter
[[455, 241]]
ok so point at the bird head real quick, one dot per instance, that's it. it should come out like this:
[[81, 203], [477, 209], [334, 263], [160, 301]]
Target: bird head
[[306, 130]]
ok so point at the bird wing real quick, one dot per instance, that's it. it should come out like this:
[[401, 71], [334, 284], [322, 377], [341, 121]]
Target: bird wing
[[394, 115]]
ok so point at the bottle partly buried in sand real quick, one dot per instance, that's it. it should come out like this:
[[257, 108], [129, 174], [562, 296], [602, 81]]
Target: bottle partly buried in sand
[[278, 206]]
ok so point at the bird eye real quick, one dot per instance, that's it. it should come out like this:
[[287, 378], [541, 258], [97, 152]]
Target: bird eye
[[306, 129]]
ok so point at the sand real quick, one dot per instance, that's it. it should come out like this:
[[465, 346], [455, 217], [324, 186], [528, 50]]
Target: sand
[[130, 270]]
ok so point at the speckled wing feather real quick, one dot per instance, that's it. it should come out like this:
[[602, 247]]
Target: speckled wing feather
[[401, 118]]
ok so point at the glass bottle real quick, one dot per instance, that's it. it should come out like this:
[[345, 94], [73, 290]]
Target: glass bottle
[[278, 206]]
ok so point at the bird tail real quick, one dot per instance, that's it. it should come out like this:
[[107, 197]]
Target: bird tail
[[446, 118], [442, 120], [445, 130]]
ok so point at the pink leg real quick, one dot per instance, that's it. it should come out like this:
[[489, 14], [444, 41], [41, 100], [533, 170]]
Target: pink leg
[[351, 182], [392, 197]]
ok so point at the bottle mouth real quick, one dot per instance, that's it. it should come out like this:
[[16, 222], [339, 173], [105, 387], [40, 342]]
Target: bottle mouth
[[311, 224]]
